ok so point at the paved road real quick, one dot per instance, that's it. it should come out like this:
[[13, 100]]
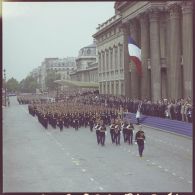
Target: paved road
[[39, 160]]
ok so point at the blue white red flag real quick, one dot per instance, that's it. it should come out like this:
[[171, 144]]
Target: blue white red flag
[[135, 55]]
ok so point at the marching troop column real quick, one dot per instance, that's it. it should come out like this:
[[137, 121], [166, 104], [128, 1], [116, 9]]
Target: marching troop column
[[175, 51], [145, 53], [187, 47], [135, 81], [155, 54]]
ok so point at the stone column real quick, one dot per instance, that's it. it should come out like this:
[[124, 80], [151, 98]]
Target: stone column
[[167, 49], [155, 54], [145, 53], [163, 54], [135, 80], [127, 84], [175, 52], [187, 40]]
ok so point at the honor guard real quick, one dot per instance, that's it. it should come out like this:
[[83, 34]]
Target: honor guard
[[140, 137]]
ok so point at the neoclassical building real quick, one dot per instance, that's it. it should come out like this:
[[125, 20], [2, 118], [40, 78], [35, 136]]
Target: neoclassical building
[[163, 30], [86, 65]]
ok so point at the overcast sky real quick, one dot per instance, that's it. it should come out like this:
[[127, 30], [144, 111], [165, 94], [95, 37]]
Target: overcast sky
[[38, 30]]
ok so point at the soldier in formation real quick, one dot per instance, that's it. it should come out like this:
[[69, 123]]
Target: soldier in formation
[[140, 137]]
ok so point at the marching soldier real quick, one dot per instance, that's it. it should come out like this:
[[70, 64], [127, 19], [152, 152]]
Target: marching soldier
[[130, 129], [102, 132], [97, 132], [117, 130], [60, 123], [91, 123], [140, 137], [124, 127], [112, 127]]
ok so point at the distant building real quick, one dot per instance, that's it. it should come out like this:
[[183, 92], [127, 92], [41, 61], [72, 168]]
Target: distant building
[[60, 66], [86, 65]]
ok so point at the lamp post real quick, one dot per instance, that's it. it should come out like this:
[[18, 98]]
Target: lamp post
[[5, 86]]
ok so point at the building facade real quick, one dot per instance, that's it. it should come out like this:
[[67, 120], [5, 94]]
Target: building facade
[[60, 66], [86, 65], [163, 31]]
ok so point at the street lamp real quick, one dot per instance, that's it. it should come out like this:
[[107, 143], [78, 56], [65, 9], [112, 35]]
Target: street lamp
[[5, 85]]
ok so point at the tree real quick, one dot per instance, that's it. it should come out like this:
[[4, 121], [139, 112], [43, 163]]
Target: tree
[[50, 78], [29, 85], [12, 85]]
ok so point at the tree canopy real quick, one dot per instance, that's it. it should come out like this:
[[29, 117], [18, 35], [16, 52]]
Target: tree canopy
[[12, 85], [28, 85], [50, 78]]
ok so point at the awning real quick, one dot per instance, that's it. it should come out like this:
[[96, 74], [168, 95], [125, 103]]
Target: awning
[[77, 84]]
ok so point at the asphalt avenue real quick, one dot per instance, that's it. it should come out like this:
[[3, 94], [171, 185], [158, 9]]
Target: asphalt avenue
[[39, 160]]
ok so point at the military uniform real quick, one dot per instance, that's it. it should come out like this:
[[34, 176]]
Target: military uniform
[[112, 127], [97, 132], [102, 131], [117, 130], [130, 129], [140, 137]]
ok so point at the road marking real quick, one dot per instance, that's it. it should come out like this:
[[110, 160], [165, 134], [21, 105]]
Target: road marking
[[148, 160], [174, 174], [166, 170], [100, 188], [91, 179], [189, 181], [159, 167], [83, 170], [181, 178]]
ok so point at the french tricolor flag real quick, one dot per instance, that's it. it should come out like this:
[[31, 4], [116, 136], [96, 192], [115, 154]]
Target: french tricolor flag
[[135, 55]]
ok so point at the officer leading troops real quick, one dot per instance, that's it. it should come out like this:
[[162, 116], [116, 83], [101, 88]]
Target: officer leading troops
[[140, 137]]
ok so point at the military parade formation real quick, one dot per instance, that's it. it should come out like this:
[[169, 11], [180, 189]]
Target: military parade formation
[[72, 113]]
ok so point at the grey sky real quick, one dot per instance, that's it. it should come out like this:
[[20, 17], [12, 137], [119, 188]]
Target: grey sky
[[34, 31]]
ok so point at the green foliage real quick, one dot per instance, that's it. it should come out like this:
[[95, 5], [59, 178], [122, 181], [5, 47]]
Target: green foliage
[[50, 78], [12, 85], [28, 85]]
